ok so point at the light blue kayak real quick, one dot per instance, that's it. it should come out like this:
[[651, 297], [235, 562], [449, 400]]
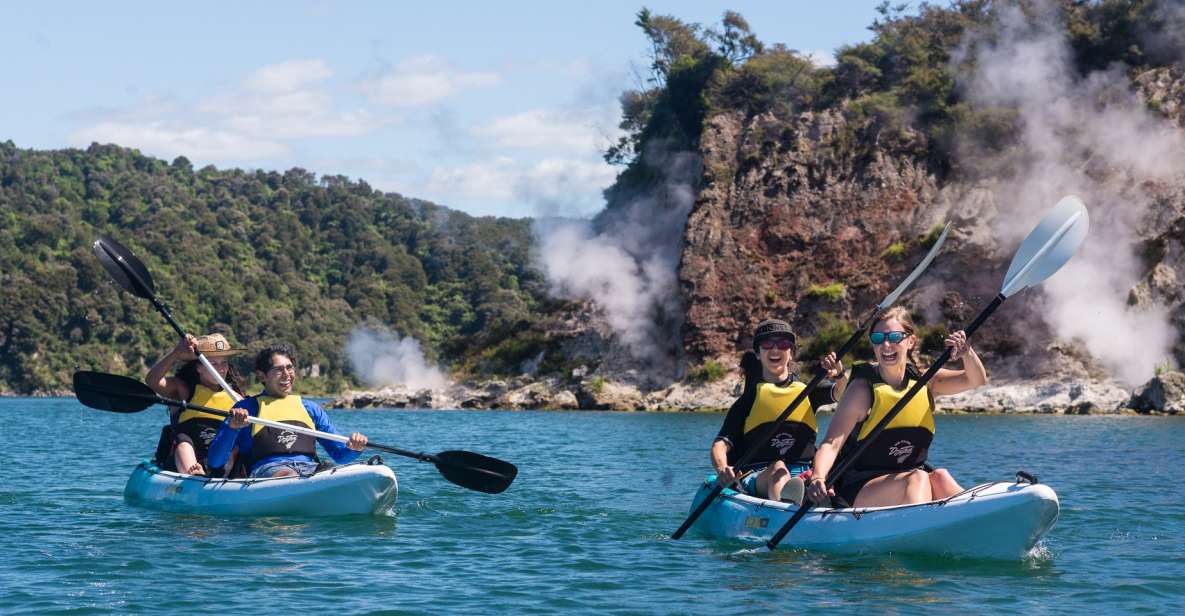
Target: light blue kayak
[[357, 488], [999, 520]]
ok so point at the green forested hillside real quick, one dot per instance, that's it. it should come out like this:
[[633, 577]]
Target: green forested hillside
[[260, 255]]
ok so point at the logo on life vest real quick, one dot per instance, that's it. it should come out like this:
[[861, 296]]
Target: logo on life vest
[[287, 439], [207, 435], [901, 450], [782, 442]]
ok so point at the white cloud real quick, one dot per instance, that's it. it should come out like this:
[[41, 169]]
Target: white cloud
[[274, 103], [581, 131], [194, 141], [288, 76], [565, 186], [550, 186], [424, 80], [822, 58], [488, 179]]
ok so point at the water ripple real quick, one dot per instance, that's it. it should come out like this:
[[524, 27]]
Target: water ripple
[[585, 529]]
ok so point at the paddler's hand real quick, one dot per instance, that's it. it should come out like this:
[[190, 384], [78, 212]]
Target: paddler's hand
[[238, 419], [357, 441], [185, 349], [958, 344], [726, 476], [833, 367], [817, 491]]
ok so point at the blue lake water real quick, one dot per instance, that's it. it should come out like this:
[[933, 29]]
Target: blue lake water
[[584, 529]]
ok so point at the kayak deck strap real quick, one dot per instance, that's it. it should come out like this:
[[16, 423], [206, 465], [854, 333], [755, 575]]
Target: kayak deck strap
[[761, 503]]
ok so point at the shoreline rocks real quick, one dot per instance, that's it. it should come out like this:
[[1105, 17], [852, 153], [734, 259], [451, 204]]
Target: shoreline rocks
[[1163, 394]]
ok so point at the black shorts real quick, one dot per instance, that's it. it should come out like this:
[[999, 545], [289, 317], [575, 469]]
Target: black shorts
[[169, 439], [164, 449], [854, 481]]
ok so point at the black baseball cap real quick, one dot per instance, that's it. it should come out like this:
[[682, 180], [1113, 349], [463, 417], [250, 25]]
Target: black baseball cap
[[773, 328]]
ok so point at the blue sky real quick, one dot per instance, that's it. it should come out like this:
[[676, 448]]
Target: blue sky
[[491, 108]]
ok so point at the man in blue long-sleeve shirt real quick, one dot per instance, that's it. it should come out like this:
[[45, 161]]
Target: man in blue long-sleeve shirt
[[275, 452]]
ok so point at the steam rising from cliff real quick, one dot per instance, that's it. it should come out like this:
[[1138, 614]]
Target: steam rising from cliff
[[1086, 135], [625, 260], [382, 358]]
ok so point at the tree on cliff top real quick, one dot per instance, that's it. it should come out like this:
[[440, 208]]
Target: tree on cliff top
[[905, 77]]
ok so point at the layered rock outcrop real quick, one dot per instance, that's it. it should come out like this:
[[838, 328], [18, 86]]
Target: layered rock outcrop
[[791, 206]]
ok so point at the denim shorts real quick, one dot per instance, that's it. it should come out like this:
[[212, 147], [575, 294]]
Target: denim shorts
[[304, 468], [749, 483]]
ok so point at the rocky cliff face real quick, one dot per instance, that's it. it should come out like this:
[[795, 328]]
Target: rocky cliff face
[[1164, 236], [788, 206]]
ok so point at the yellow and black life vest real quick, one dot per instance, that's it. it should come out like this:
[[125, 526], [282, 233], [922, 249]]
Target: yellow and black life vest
[[267, 441], [905, 442], [795, 440], [201, 427]]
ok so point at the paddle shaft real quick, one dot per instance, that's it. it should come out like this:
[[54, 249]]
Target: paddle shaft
[[778, 423], [846, 463], [145, 291], [423, 457]]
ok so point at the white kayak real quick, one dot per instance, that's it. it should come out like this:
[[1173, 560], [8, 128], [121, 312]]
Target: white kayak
[[999, 520], [358, 488]]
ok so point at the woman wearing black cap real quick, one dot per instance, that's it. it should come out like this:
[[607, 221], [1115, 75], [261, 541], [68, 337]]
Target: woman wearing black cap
[[770, 387]]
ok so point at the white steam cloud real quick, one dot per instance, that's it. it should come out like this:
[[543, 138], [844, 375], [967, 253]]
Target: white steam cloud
[[625, 261], [1088, 136], [382, 358]]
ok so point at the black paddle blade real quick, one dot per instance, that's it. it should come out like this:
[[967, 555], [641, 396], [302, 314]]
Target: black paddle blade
[[109, 392], [475, 471], [124, 267]]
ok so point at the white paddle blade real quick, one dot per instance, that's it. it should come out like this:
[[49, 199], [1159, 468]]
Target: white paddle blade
[[1049, 245], [917, 271]]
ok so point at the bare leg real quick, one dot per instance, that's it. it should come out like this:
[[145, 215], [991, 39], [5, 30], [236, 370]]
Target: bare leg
[[895, 489], [771, 480], [943, 484], [284, 472], [186, 460], [918, 487]]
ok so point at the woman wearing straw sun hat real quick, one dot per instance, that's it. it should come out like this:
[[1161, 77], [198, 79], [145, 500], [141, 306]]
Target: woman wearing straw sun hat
[[185, 441]]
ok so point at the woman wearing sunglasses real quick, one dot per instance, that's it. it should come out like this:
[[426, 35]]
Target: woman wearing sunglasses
[[770, 387], [892, 470]]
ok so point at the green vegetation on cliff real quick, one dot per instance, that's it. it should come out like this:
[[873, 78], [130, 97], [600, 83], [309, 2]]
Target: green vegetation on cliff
[[898, 86], [258, 255]]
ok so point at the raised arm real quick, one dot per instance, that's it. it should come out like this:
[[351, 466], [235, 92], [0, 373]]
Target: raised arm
[[949, 382], [157, 377]]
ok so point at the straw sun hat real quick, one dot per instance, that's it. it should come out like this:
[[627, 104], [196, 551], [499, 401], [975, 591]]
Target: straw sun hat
[[215, 345]]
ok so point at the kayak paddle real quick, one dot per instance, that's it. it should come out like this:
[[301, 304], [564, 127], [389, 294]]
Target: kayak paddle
[[120, 394], [1046, 249], [131, 274], [814, 382]]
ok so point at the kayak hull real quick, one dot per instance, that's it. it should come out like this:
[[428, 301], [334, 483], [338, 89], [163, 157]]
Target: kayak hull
[[1000, 520], [340, 490]]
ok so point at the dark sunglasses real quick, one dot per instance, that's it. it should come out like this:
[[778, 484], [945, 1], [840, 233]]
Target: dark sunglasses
[[782, 343], [878, 337]]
